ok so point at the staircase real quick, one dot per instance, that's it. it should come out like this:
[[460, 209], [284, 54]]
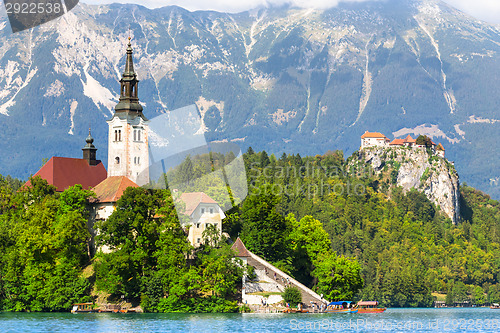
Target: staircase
[[271, 279], [270, 274]]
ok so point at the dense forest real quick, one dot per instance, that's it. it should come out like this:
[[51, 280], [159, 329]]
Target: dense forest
[[346, 236], [47, 261], [406, 248]]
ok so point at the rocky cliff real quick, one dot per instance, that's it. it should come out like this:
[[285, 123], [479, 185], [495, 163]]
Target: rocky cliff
[[417, 168]]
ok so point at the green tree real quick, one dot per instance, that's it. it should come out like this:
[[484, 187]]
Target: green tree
[[292, 296], [264, 230]]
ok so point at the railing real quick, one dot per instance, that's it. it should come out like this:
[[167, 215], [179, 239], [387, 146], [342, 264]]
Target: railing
[[286, 276]]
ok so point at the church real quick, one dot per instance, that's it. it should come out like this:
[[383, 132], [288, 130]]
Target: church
[[128, 163]]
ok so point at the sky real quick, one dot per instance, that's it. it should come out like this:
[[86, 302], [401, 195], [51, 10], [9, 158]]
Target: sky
[[487, 10]]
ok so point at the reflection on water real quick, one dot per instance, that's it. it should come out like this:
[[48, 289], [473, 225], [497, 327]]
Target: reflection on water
[[393, 320]]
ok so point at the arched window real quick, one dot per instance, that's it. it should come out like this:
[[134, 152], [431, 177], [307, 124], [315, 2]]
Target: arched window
[[117, 160], [138, 160], [138, 135], [116, 135], [119, 135], [135, 135]]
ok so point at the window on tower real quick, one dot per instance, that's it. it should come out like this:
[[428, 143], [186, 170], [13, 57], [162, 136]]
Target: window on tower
[[119, 135], [138, 135], [117, 160], [135, 135]]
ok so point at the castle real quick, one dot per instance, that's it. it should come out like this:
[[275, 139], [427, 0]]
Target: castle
[[376, 139], [128, 164]]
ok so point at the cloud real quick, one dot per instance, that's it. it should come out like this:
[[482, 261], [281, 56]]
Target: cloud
[[231, 6], [487, 10]]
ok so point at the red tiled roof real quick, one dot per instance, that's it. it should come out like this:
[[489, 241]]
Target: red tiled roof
[[398, 142], [111, 189], [192, 200], [240, 249], [409, 139], [440, 147], [64, 172], [373, 135]]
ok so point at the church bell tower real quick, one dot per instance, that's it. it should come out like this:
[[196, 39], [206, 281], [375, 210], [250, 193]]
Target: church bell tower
[[128, 153]]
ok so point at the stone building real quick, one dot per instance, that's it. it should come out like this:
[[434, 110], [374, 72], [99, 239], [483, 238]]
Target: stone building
[[202, 211]]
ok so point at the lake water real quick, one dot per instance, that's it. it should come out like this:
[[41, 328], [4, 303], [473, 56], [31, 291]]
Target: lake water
[[393, 320]]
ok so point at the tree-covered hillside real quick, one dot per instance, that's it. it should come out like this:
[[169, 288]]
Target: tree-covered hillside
[[406, 247], [347, 236]]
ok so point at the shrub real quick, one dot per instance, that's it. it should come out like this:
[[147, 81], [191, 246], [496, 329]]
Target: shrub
[[292, 296]]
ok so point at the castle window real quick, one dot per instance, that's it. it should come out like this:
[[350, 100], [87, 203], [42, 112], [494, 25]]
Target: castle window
[[135, 160], [135, 135], [117, 160], [138, 160], [198, 225], [116, 135], [198, 240], [138, 135], [211, 210], [203, 210]]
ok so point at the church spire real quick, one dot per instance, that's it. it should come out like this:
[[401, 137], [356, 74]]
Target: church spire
[[129, 93], [89, 151], [129, 67]]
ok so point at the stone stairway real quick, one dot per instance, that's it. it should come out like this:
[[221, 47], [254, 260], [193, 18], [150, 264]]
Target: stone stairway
[[271, 281]]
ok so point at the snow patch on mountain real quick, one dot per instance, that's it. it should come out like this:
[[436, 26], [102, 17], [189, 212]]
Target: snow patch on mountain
[[56, 89], [430, 130], [72, 112], [100, 95]]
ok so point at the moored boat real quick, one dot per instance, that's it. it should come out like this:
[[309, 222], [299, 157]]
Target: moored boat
[[83, 307], [369, 307], [340, 307], [495, 306]]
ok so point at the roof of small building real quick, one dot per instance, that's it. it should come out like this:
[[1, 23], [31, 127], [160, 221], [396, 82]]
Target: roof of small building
[[373, 135], [112, 188], [409, 139], [440, 147], [194, 199], [240, 249], [64, 172], [397, 142]]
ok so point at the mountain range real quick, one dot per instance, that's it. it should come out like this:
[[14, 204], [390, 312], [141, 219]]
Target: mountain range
[[282, 79]]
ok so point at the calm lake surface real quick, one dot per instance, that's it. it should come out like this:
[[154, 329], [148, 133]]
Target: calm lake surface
[[393, 320]]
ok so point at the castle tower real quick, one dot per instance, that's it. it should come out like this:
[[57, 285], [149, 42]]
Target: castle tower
[[128, 153]]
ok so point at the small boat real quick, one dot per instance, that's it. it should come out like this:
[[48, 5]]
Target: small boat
[[340, 307], [495, 306], [369, 307], [82, 308]]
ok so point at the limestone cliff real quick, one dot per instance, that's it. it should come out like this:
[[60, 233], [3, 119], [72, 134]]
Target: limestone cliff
[[416, 168]]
